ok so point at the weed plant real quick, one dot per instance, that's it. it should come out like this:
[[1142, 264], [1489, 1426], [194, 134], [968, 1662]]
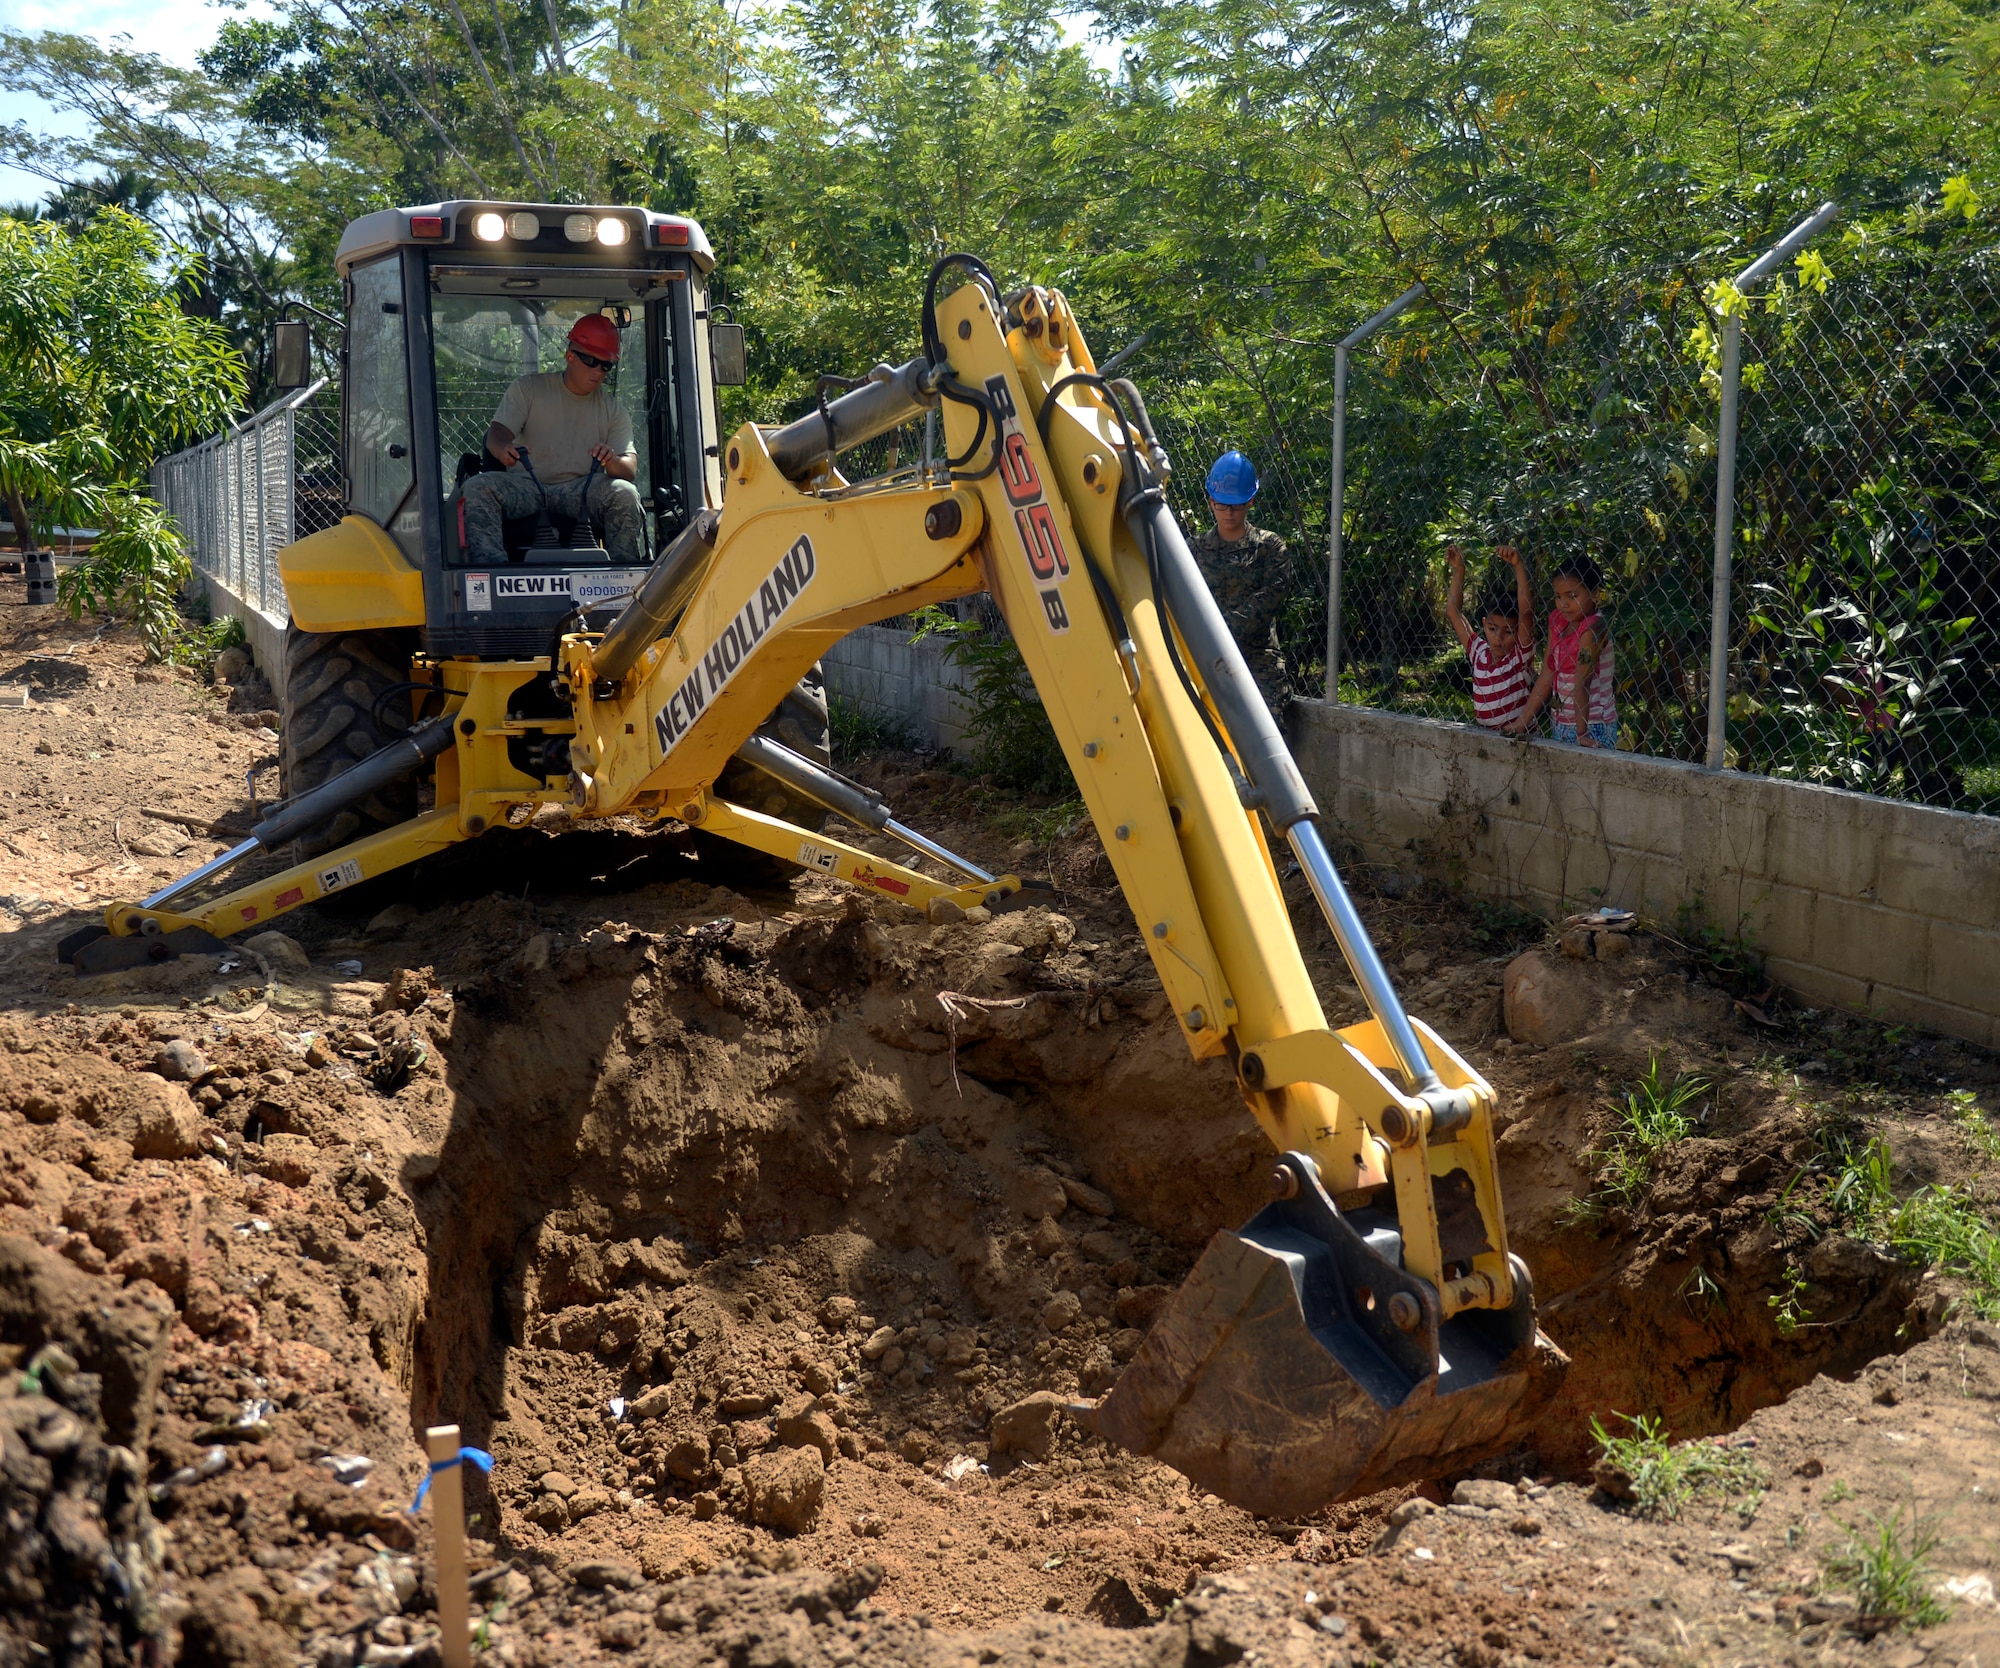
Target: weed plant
[[1657, 1112], [1017, 746], [1666, 1476], [1940, 1226], [1885, 1564], [1973, 1124], [858, 732]]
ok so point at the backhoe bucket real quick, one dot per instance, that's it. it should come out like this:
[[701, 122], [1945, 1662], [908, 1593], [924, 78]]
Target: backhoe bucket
[[1279, 1378]]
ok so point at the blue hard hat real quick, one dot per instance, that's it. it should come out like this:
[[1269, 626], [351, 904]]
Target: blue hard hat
[[1232, 479]]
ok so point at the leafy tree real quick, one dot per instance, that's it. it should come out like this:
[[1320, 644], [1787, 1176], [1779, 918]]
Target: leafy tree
[[104, 371]]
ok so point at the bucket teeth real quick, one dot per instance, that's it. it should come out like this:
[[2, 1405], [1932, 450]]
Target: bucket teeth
[[1277, 1379]]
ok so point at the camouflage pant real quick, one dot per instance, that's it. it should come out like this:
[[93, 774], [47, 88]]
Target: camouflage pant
[[493, 498]]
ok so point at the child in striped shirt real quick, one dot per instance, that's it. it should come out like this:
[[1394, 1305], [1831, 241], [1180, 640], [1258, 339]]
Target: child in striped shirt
[[1502, 650], [1579, 670]]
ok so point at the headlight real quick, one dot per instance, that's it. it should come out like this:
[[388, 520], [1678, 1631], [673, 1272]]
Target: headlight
[[523, 225], [489, 227], [579, 228], [611, 233]]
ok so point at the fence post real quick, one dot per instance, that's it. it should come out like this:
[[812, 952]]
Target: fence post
[[1725, 476], [1336, 535]]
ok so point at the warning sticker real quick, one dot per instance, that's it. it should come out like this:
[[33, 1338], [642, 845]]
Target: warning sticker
[[479, 592], [332, 880], [817, 857]]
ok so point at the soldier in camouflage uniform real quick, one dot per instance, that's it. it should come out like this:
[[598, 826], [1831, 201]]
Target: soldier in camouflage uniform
[[1247, 571]]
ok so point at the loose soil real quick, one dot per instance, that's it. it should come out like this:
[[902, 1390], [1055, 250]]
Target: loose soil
[[727, 1214]]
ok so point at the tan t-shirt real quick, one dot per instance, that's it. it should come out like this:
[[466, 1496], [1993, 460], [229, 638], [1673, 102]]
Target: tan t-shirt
[[559, 428]]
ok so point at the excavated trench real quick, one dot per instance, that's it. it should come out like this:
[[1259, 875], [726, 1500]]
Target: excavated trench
[[717, 1169]]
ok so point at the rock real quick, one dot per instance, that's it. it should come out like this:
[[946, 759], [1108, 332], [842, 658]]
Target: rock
[[943, 912], [225, 1628], [837, 1312], [892, 1361], [785, 1488], [284, 953], [1544, 1002], [1085, 1197], [1139, 1305], [1064, 1310], [1027, 1426], [588, 1501], [1125, 1343], [1577, 943], [1103, 1247], [1489, 1496], [623, 1632], [169, 1124], [121, 1336], [802, 1425], [1037, 1192], [1612, 1480], [651, 1403], [45, 748], [599, 1573], [333, 1508], [1046, 1237], [878, 1343], [687, 1459], [1612, 945], [290, 1159], [180, 1061], [1417, 963], [395, 916], [561, 1484], [233, 664]]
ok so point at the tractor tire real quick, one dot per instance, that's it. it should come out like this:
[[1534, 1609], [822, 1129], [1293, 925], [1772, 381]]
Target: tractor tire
[[331, 683], [800, 723]]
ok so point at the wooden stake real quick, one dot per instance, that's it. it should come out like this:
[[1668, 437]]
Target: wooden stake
[[448, 1520]]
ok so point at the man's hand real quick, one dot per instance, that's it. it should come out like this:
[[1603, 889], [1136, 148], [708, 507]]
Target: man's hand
[[500, 443], [620, 466]]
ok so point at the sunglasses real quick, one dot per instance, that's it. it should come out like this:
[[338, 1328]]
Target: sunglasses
[[594, 362]]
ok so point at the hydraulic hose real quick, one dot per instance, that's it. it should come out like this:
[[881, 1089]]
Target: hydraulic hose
[[661, 596]]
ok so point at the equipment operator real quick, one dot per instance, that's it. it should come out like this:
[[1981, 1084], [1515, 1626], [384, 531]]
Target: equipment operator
[[579, 440], [1246, 570]]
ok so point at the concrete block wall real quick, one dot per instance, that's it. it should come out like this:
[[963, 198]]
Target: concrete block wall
[[1863, 903], [880, 671]]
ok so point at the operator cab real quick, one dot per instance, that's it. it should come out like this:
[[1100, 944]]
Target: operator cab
[[448, 304]]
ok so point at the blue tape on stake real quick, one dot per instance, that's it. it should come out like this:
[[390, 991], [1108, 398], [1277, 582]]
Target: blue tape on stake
[[479, 1457]]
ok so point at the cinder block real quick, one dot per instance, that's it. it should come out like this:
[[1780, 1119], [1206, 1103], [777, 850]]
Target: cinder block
[[1865, 941], [1943, 864], [1906, 1007], [1816, 984], [1743, 824], [1780, 918], [1645, 820], [1965, 966]]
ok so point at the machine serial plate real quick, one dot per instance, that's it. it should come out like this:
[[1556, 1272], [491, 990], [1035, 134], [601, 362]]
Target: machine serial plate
[[535, 587]]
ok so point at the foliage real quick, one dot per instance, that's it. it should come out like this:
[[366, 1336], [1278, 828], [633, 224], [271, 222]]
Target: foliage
[[1017, 745], [1656, 1113], [1727, 960], [1500, 924], [198, 643], [858, 731], [105, 370], [1940, 1226], [1885, 1564], [1665, 1476], [1973, 1124]]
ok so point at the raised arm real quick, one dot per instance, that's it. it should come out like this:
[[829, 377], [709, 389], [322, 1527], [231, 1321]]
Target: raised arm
[[1524, 605], [1454, 602]]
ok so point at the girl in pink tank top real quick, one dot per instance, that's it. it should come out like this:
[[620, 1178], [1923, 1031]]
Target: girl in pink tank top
[[1579, 670]]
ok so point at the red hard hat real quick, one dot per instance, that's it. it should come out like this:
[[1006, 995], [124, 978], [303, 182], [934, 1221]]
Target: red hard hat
[[596, 335]]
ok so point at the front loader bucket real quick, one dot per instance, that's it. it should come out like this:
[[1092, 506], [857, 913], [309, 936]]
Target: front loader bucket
[[1277, 1378]]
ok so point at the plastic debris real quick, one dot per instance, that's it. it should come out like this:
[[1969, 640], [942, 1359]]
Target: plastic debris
[[351, 1469]]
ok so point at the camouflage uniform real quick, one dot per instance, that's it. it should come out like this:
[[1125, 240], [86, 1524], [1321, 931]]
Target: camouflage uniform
[[1249, 580]]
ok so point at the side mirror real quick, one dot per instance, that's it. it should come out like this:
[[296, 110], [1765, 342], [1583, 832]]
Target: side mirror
[[291, 355], [725, 348]]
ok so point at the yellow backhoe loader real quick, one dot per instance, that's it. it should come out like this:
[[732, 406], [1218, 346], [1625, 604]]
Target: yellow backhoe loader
[[1369, 1326]]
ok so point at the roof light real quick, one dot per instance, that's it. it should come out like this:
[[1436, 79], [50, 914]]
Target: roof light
[[579, 228], [611, 233], [672, 235], [489, 227], [524, 226], [426, 225]]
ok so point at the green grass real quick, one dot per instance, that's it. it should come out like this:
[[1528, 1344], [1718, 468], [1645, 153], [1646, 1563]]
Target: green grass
[[1940, 1226], [1973, 1124], [1658, 1111], [1665, 1475], [1885, 1564], [857, 732]]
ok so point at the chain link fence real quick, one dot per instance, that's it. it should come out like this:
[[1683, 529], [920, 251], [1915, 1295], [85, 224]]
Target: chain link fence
[[1579, 424], [242, 496]]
